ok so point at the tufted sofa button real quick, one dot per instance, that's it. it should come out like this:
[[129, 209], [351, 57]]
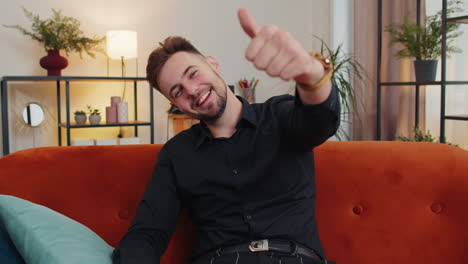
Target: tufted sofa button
[[124, 214], [437, 208], [358, 209]]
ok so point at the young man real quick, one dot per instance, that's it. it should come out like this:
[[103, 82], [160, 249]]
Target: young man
[[246, 172]]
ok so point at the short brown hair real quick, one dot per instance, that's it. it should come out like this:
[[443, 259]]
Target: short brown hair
[[160, 55]]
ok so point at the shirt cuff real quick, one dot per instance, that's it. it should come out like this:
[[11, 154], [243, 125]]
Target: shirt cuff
[[330, 103]]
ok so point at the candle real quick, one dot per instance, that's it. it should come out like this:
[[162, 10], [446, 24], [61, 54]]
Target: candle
[[115, 100], [122, 112], [111, 114]]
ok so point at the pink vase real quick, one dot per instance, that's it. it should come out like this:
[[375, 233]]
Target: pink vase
[[53, 63], [111, 114]]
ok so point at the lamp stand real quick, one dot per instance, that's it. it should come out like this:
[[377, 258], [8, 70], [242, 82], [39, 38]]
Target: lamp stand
[[107, 65], [122, 66]]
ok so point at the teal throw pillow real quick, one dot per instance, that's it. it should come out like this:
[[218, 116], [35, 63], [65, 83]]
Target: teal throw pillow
[[43, 236], [8, 252]]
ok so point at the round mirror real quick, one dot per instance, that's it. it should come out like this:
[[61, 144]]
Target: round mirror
[[33, 114]]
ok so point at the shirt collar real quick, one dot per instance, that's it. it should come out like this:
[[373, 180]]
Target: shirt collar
[[248, 115]]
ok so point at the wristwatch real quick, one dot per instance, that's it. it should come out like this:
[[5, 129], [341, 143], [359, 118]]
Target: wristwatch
[[328, 67]]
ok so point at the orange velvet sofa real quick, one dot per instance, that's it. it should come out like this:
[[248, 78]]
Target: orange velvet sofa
[[377, 202]]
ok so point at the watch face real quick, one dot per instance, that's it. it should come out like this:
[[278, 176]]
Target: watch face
[[325, 61]]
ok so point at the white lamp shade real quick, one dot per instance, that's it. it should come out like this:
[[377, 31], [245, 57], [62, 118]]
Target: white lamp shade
[[122, 43]]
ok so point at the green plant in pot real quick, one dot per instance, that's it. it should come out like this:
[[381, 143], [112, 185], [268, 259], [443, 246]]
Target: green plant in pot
[[424, 42], [346, 72], [94, 115], [419, 136], [58, 33], [80, 117]]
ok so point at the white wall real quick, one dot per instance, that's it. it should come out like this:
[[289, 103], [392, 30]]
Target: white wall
[[342, 35], [211, 25], [456, 95]]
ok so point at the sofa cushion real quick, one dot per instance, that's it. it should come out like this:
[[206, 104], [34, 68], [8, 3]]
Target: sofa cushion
[[42, 235]]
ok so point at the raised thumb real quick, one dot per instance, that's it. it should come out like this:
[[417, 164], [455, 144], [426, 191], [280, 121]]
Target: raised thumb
[[247, 22]]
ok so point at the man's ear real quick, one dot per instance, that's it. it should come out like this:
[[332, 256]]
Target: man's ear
[[213, 63]]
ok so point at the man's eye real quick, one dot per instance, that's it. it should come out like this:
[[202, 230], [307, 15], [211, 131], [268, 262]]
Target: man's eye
[[178, 93], [193, 74]]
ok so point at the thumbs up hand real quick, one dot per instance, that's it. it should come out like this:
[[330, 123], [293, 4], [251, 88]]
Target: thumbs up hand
[[276, 52]]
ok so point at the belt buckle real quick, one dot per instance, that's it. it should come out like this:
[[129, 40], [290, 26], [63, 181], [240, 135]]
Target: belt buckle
[[259, 245]]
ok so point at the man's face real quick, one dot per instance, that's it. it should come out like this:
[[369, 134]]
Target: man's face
[[192, 83]]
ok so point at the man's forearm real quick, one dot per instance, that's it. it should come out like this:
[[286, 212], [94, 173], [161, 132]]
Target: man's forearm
[[315, 97], [312, 124]]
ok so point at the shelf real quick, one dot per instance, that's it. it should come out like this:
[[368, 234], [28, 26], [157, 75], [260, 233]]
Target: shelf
[[409, 83], [442, 83], [423, 83], [70, 78], [102, 124], [460, 19], [457, 117]]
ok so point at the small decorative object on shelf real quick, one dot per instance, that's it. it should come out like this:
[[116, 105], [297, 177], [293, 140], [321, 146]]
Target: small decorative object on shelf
[[80, 117], [248, 89], [101, 142], [53, 63], [94, 115], [56, 34], [122, 112], [424, 41], [115, 100], [111, 111], [111, 114], [89, 142], [129, 141]]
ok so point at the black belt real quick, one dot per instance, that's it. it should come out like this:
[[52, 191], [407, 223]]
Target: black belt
[[271, 245]]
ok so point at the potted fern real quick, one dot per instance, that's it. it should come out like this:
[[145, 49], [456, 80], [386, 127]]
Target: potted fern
[[80, 117], [424, 42], [58, 33], [419, 136], [94, 115]]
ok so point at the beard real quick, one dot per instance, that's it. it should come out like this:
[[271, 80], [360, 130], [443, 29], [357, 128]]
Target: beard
[[219, 107], [221, 93]]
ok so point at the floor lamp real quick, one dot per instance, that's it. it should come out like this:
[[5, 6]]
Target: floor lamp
[[122, 44]]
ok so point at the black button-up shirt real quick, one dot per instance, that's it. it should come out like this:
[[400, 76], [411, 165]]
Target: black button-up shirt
[[257, 184]]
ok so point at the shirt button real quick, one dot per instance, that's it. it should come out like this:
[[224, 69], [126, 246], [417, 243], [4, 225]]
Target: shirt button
[[235, 171]]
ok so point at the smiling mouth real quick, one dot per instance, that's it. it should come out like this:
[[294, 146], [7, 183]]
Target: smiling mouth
[[204, 97]]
